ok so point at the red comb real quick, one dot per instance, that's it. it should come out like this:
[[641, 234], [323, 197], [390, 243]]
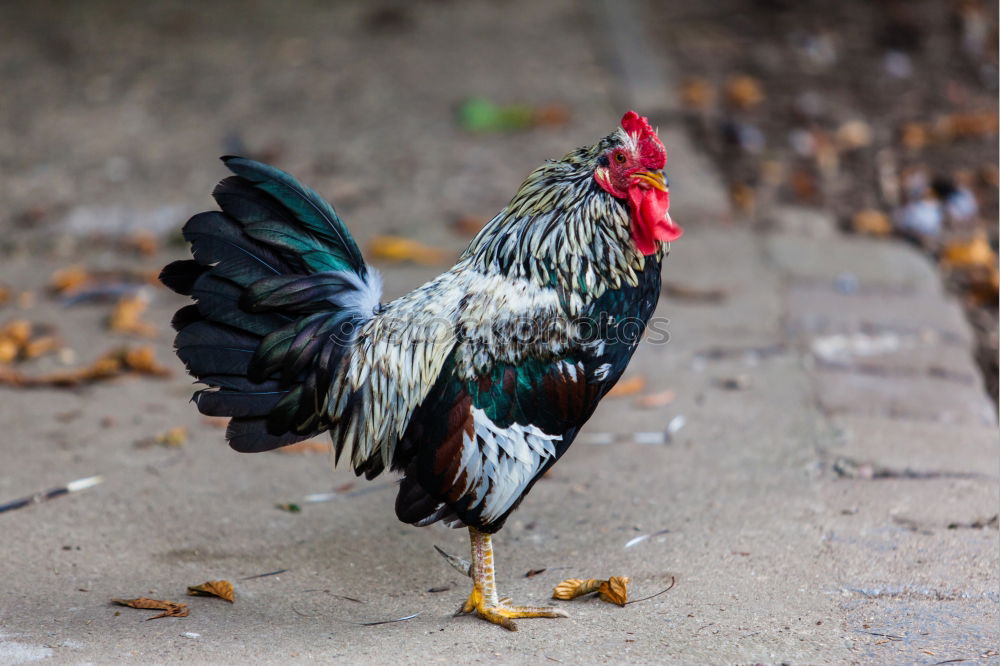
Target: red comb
[[651, 150]]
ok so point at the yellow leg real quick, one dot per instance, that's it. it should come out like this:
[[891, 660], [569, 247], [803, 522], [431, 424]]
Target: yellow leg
[[483, 599]]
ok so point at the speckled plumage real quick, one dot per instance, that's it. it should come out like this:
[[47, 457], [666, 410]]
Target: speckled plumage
[[472, 385]]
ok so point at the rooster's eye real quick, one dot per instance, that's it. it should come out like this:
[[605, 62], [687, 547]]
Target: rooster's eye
[[620, 158]]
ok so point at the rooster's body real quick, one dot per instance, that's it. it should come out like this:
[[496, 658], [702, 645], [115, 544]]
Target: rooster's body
[[472, 385]]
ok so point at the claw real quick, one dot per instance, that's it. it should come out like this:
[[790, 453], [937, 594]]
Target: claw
[[463, 566]]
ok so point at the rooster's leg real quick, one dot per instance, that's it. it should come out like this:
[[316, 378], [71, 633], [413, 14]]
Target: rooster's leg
[[483, 599]]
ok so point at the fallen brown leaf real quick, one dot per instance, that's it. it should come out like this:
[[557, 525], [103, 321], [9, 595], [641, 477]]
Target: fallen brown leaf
[[5, 294], [213, 588], [468, 226], [40, 346], [18, 331], [68, 279], [174, 437], [628, 387], [76, 279], [683, 292], [744, 92], [534, 572], [400, 249], [8, 350], [571, 588], [136, 360], [614, 590], [143, 242], [656, 400], [966, 125], [169, 608], [913, 135], [17, 341], [697, 94], [308, 446], [969, 253], [127, 317], [142, 360], [872, 222], [743, 197]]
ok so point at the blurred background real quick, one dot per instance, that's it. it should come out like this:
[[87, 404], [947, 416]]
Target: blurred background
[[113, 115]]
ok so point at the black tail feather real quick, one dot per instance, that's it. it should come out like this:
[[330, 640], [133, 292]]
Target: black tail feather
[[273, 276]]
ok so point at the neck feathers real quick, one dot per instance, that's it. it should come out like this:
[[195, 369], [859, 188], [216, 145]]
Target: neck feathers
[[561, 231]]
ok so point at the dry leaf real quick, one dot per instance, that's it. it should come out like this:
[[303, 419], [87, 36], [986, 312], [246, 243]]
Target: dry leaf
[[627, 387], [684, 292], [697, 94], [68, 279], [398, 249], [127, 317], [571, 588], [467, 225], [804, 185], [176, 436], [744, 92], [16, 341], [871, 221], [854, 134], [169, 608], [76, 280], [913, 136], [308, 446], [40, 346], [614, 590], [743, 197], [138, 360], [970, 253], [655, 400], [18, 331], [143, 242], [8, 350], [5, 294], [141, 360], [213, 588], [966, 125], [534, 572]]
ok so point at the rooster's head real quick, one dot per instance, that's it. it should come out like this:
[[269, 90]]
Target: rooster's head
[[631, 169]]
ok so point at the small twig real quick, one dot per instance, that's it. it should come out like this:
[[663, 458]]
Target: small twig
[[891, 637], [71, 487], [269, 573], [673, 581]]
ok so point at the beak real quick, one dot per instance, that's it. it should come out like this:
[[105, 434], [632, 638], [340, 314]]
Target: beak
[[652, 178]]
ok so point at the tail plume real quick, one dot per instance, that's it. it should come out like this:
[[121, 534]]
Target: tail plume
[[280, 291]]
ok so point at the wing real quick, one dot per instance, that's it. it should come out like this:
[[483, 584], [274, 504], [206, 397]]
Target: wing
[[481, 443]]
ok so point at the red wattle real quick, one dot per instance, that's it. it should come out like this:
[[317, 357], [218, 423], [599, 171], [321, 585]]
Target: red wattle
[[650, 217]]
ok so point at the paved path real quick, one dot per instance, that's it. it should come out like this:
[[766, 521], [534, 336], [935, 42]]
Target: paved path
[[827, 500]]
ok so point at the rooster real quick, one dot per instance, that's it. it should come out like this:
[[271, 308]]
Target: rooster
[[471, 386]]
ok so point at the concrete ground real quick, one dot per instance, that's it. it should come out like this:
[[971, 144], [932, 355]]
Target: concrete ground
[[830, 498]]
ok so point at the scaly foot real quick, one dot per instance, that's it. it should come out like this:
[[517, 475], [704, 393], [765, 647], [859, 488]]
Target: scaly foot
[[502, 612]]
